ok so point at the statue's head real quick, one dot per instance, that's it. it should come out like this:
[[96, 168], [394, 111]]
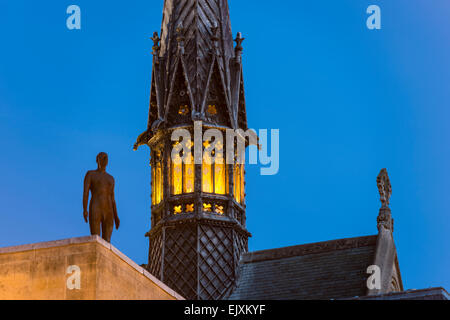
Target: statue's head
[[102, 160]]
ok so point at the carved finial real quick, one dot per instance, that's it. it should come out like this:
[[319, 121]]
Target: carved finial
[[238, 49], [156, 47], [384, 187], [180, 37]]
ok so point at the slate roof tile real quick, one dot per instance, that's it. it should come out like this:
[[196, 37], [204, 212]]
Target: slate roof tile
[[326, 270]]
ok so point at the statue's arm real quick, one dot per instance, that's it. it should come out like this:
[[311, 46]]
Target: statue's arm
[[87, 187], [113, 200]]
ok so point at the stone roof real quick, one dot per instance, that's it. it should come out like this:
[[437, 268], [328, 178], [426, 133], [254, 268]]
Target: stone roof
[[326, 270]]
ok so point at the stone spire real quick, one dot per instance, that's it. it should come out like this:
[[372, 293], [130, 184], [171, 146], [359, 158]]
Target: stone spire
[[195, 21], [195, 66]]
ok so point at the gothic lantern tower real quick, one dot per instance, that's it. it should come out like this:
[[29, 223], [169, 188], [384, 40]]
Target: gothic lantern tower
[[198, 224]]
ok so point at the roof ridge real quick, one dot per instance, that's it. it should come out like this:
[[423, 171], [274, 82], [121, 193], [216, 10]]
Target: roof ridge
[[309, 248]]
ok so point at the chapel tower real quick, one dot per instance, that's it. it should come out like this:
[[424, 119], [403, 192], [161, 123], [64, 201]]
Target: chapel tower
[[198, 222]]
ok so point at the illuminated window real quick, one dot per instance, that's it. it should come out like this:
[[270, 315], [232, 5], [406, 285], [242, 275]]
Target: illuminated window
[[220, 179], [177, 176], [157, 178], [239, 183], [207, 180], [153, 186], [182, 175], [189, 175], [242, 176], [214, 175], [236, 184], [159, 183]]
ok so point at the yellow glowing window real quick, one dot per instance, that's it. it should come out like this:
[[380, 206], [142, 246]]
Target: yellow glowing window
[[242, 176], [207, 181], [177, 176], [220, 176], [236, 184], [214, 175], [157, 179], [182, 175], [159, 186], [189, 175], [239, 183], [153, 186]]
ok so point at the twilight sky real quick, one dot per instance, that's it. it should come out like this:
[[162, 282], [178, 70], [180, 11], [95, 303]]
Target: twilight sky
[[348, 102]]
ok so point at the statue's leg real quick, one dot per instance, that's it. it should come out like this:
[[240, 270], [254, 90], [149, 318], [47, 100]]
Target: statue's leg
[[107, 228], [94, 223]]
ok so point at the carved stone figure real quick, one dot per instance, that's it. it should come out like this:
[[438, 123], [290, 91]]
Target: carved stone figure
[[384, 219], [102, 212], [239, 39], [384, 187], [156, 47]]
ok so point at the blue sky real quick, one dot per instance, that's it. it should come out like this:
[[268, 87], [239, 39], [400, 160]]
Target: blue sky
[[348, 101]]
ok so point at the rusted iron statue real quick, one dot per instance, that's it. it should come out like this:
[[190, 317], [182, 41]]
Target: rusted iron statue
[[102, 212]]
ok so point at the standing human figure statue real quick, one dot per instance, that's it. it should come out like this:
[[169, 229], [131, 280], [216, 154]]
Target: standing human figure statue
[[102, 212]]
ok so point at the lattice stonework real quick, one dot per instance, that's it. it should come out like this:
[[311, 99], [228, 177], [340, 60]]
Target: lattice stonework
[[240, 247], [155, 254], [180, 260], [215, 261]]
